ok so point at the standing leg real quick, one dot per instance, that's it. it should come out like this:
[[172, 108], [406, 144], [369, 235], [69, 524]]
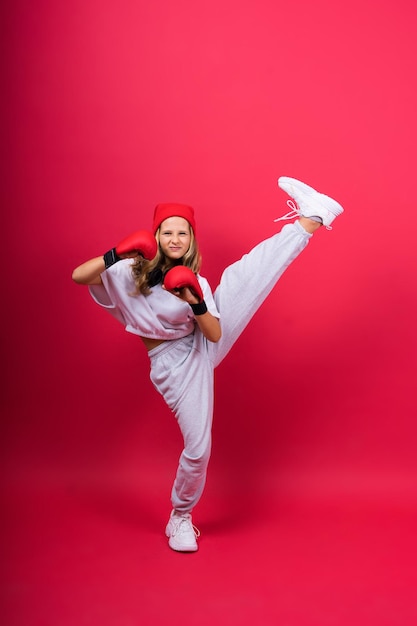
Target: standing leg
[[182, 372], [183, 375], [195, 415]]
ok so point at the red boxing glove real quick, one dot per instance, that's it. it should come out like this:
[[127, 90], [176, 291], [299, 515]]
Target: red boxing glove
[[141, 241], [179, 277]]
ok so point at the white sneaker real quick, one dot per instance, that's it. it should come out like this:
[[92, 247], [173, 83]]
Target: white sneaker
[[308, 202], [181, 532]]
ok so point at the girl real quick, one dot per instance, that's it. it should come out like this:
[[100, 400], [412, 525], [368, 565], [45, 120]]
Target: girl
[[151, 283]]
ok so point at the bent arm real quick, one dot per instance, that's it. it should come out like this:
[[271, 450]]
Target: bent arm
[[88, 273], [138, 243], [209, 326], [207, 323]]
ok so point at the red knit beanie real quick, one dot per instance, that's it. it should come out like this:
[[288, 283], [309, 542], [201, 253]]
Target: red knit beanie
[[164, 211]]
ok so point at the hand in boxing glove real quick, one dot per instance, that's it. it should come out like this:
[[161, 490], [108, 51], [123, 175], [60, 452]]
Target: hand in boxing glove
[[178, 280], [140, 242]]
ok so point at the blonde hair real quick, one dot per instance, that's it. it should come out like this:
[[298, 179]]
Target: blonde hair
[[143, 271]]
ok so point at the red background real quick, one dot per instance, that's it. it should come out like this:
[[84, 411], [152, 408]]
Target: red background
[[310, 508]]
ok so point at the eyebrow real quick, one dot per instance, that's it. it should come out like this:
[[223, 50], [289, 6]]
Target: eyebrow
[[170, 230]]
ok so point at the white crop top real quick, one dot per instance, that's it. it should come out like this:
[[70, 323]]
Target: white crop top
[[159, 315]]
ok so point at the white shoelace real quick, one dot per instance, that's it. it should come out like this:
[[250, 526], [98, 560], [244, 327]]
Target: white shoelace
[[295, 212], [183, 521]]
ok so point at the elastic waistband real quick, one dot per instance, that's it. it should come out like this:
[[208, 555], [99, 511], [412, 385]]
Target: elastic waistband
[[168, 345]]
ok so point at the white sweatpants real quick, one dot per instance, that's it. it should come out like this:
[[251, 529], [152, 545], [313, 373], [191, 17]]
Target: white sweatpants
[[183, 370]]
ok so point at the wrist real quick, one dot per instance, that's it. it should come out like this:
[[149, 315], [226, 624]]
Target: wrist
[[200, 308], [110, 258]]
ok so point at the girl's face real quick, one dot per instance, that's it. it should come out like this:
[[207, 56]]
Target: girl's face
[[174, 237]]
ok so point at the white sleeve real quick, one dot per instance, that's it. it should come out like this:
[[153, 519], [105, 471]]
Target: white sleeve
[[102, 298], [106, 294]]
